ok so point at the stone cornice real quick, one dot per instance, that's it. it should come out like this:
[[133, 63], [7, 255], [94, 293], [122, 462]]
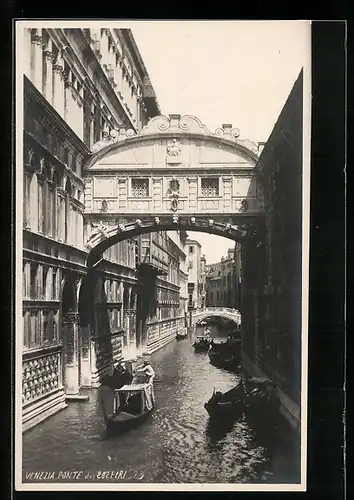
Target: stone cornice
[[43, 258], [117, 271], [36, 351]]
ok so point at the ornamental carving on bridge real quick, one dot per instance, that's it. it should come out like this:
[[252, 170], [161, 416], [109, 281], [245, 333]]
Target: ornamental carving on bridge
[[99, 229], [173, 192], [174, 148]]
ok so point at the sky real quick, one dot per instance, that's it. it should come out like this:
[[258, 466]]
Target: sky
[[224, 72]]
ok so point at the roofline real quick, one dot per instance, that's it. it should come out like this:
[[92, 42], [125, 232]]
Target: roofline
[[129, 37], [188, 241]]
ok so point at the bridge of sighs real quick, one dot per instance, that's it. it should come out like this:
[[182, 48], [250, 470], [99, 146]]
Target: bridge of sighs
[[174, 174]]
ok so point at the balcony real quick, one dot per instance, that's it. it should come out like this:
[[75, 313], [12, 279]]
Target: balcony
[[149, 257]]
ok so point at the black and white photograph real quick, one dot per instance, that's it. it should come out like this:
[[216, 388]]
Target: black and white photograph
[[162, 253]]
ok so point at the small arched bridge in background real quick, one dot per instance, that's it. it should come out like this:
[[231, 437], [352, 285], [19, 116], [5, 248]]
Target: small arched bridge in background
[[222, 312]]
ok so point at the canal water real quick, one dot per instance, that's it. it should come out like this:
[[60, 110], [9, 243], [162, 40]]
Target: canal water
[[176, 445]]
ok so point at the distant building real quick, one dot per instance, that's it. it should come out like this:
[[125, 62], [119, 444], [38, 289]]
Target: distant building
[[194, 274], [220, 282], [202, 286]]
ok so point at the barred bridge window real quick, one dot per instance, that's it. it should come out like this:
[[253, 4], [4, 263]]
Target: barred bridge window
[[140, 188], [210, 186]]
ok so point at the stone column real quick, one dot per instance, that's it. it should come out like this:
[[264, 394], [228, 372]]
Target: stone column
[[71, 353], [131, 342], [85, 357], [192, 193], [36, 58], [69, 113], [72, 223], [48, 61], [58, 89], [226, 193]]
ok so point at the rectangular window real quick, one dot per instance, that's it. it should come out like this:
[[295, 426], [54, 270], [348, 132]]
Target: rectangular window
[[191, 250], [26, 201], [34, 282], [24, 282], [210, 186], [140, 188], [26, 340], [46, 327], [50, 211], [54, 285]]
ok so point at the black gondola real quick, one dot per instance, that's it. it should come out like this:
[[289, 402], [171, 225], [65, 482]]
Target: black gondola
[[226, 354], [255, 397], [230, 404], [126, 407], [182, 335], [201, 344], [261, 397]]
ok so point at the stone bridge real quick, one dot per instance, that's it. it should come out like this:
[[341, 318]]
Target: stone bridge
[[173, 174], [223, 312]]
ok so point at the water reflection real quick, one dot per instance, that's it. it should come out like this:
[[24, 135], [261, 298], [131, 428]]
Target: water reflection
[[177, 444]]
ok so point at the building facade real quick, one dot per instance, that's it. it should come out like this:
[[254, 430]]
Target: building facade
[[271, 289], [180, 238], [221, 280], [161, 306], [195, 282], [202, 286], [78, 85]]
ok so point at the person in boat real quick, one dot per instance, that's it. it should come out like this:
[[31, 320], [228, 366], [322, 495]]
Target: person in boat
[[120, 376], [148, 370], [106, 396]]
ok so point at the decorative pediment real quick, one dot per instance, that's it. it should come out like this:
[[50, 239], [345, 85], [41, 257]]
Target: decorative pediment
[[175, 132]]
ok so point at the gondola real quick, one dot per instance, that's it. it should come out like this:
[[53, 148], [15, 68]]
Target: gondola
[[182, 335], [126, 407], [202, 344], [255, 397], [226, 354], [230, 404], [261, 397]]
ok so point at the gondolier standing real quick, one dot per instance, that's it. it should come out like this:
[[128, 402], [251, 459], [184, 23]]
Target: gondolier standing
[[148, 370]]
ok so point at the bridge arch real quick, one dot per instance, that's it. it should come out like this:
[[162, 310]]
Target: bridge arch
[[104, 236], [217, 312]]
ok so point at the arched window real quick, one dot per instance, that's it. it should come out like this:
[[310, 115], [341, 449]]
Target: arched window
[[68, 191], [26, 199], [55, 205], [46, 200], [34, 280], [34, 198]]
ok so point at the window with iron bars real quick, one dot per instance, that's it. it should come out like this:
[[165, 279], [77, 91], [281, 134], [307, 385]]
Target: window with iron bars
[[210, 186], [140, 188]]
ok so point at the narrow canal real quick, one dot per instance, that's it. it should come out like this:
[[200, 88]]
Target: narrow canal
[[176, 445]]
